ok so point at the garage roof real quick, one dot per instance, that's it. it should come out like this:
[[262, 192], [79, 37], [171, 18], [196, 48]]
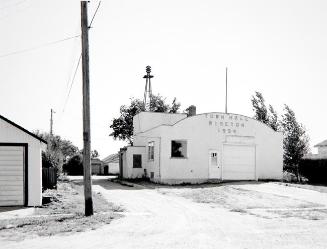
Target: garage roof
[[22, 129], [323, 143]]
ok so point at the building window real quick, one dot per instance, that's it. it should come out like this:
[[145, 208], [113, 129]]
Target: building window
[[137, 161], [178, 148], [214, 158], [151, 150]]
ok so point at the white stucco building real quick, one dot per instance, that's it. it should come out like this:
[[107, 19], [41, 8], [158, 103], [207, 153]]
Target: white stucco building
[[181, 148], [20, 165]]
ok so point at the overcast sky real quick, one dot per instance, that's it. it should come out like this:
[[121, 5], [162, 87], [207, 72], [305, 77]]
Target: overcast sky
[[277, 47]]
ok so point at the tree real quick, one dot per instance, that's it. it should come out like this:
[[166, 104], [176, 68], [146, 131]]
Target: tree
[[123, 126], [94, 154], [74, 165], [267, 116], [273, 121], [58, 151], [295, 143], [259, 108]]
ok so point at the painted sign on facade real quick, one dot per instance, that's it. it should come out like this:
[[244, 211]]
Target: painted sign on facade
[[227, 123]]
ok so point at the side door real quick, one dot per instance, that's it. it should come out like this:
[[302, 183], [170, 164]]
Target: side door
[[214, 165]]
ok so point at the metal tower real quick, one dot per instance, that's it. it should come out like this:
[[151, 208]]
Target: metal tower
[[148, 89]]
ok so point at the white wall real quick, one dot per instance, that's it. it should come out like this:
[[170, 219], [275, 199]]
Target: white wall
[[206, 132], [11, 134], [144, 121], [113, 168], [322, 150], [128, 170]]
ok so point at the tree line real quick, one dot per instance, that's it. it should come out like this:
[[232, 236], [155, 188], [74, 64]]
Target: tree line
[[296, 140], [62, 154]]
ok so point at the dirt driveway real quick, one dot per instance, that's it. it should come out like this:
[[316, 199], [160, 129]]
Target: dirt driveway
[[238, 215]]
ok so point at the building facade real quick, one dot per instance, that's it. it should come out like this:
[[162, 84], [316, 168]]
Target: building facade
[[180, 148]]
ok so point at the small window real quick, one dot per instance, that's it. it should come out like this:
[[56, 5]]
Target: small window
[[152, 175], [137, 161], [214, 158], [151, 150], [178, 148]]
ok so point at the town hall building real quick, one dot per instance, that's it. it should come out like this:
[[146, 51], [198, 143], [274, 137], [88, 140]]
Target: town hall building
[[189, 148], [175, 148]]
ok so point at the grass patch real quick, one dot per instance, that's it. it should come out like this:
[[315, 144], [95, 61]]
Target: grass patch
[[63, 215]]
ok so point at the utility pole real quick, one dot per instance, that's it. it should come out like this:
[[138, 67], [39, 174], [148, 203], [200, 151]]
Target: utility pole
[[86, 112], [51, 122], [226, 93], [51, 130]]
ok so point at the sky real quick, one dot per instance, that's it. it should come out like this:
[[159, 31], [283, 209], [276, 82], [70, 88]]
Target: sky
[[276, 47]]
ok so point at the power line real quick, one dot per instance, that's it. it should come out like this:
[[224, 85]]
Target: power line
[[12, 5], [72, 82], [94, 14], [41, 46]]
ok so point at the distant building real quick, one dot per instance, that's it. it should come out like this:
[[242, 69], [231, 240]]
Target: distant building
[[111, 164], [189, 148], [97, 166], [322, 151], [322, 148]]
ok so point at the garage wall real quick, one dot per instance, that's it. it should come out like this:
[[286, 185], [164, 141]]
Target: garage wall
[[11, 134], [113, 168], [269, 153]]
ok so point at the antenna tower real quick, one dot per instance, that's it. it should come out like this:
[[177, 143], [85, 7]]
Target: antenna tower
[[148, 89]]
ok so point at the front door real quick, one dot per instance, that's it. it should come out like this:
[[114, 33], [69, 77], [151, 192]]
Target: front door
[[214, 165]]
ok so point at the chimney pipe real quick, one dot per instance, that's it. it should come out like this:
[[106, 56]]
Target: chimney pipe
[[191, 110]]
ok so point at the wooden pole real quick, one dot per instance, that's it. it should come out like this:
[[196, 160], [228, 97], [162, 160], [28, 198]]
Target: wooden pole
[[86, 112], [51, 123], [226, 93]]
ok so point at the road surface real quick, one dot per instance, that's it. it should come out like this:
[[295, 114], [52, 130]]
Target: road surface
[[159, 218]]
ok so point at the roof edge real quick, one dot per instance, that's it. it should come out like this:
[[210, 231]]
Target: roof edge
[[22, 129]]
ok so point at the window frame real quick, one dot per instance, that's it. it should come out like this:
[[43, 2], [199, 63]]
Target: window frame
[[134, 156], [151, 145], [183, 142]]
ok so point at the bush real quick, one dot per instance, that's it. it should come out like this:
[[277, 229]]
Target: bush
[[315, 170], [74, 166]]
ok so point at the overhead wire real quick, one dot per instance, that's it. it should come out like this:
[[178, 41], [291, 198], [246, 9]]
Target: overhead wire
[[12, 5], [72, 82], [96, 11], [38, 47]]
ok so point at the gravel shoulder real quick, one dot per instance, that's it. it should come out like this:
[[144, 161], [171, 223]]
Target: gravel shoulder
[[62, 216]]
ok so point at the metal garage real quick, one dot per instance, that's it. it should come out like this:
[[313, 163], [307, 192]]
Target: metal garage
[[238, 162]]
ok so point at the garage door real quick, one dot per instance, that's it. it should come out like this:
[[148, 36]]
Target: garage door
[[11, 175], [238, 162]]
